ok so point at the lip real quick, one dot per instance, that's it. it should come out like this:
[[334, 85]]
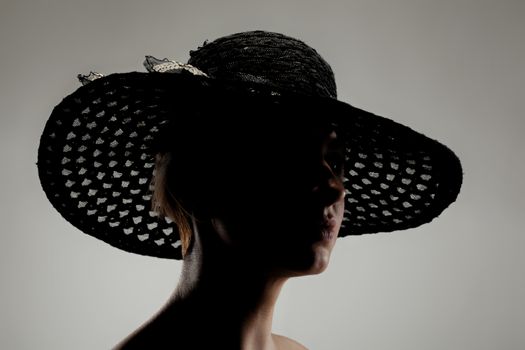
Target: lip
[[327, 228]]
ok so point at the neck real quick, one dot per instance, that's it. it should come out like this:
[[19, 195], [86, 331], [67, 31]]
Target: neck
[[226, 294]]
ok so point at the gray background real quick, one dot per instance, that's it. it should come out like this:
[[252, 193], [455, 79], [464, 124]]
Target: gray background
[[450, 69]]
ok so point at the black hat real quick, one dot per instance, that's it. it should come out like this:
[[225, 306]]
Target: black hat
[[97, 152]]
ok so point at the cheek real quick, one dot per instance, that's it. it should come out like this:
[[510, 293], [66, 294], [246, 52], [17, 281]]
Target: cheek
[[340, 212]]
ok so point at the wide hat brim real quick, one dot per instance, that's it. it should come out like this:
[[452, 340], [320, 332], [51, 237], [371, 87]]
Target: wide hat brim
[[97, 156]]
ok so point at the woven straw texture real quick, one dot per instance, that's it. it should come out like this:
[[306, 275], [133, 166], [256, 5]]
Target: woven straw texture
[[97, 151]]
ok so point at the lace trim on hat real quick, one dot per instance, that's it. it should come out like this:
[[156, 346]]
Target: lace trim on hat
[[165, 65], [86, 79], [151, 64]]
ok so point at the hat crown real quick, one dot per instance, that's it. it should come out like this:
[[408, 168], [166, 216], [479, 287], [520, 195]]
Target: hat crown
[[268, 58]]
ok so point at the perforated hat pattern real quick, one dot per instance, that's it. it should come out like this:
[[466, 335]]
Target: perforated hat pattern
[[97, 151]]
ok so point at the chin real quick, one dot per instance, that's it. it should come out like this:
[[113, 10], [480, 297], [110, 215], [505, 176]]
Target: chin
[[321, 258], [312, 262]]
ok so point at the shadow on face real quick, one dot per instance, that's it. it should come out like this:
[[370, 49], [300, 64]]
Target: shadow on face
[[271, 174]]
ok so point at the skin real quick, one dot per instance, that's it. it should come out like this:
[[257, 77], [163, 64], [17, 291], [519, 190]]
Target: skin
[[246, 244]]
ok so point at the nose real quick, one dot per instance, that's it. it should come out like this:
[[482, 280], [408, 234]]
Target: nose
[[329, 186]]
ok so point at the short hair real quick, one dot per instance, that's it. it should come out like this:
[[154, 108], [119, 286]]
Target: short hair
[[165, 202]]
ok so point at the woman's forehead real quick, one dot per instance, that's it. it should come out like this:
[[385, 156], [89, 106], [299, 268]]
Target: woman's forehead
[[286, 133], [252, 122]]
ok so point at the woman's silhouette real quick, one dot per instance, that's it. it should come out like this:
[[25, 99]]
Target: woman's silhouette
[[251, 169]]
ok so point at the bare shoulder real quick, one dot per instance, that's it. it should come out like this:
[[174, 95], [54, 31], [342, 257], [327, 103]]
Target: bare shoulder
[[286, 343]]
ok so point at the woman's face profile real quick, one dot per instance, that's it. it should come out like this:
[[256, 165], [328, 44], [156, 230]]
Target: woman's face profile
[[277, 195]]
